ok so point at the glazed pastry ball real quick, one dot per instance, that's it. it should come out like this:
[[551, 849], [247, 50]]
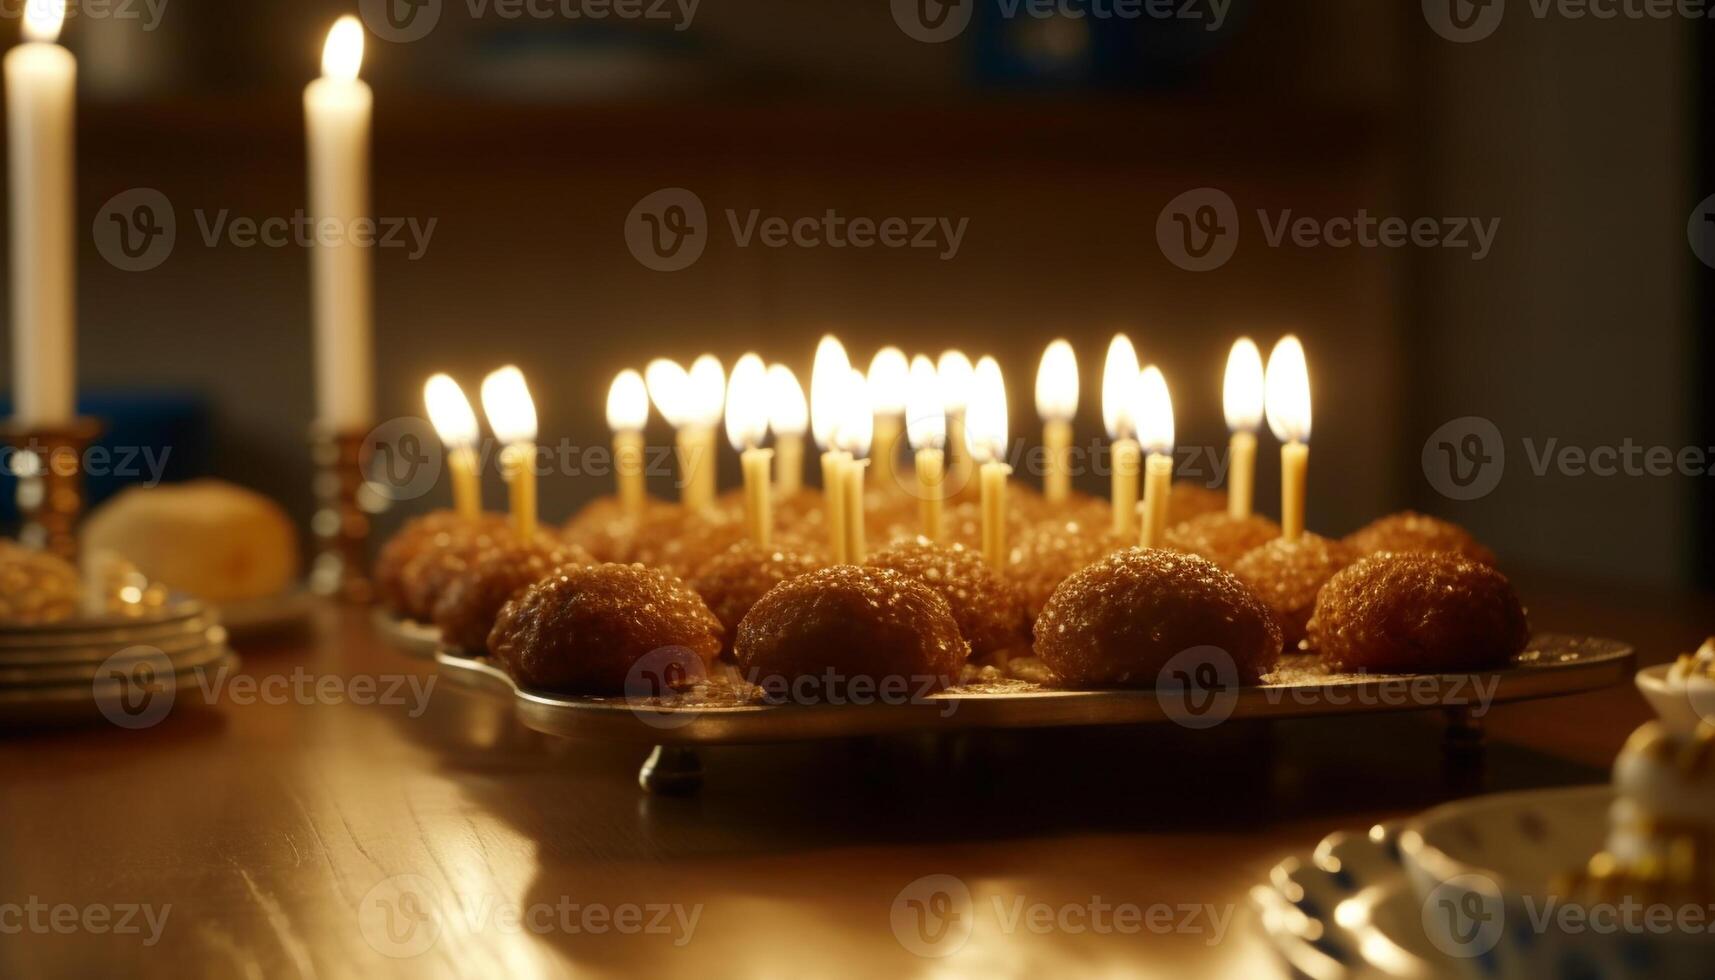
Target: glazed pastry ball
[[420, 536], [849, 622], [36, 588], [428, 574], [1118, 622], [1192, 499], [681, 544], [1414, 532], [1220, 538], [582, 629], [467, 608], [732, 581], [1041, 557], [603, 528], [988, 608], [1289, 574], [1422, 613]]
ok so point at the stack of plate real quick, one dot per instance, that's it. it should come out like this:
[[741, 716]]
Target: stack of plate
[[128, 671]]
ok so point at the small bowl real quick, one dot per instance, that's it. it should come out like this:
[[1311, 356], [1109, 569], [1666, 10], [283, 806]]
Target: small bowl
[[1681, 706], [1482, 869]]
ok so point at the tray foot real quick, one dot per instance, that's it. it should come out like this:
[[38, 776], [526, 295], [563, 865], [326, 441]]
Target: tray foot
[[1465, 735], [671, 771]]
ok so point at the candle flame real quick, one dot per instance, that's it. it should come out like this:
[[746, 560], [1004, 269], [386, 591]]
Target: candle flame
[[342, 55], [925, 415], [1154, 412], [450, 412], [889, 373], [1057, 383], [857, 419], [708, 390], [506, 401], [1119, 383], [1289, 391], [747, 403], [985, 423], [788, 412], [1242, 391], [669, 388], [956, 376], [828, 378], [627, 402], [43, 20]]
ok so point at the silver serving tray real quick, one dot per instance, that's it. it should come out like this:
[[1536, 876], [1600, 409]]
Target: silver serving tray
[[1553, 665], [412, 638]]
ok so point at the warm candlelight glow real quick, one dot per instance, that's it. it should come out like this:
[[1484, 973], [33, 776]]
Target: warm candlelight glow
[[985, 425], [788, 413], [1119, 383], [925, 415], [857, 422], [854, 437], [1154, 412], [627, 402], [43, 20], [342, 56], [707, 391], [956, 376], [828, 378], [747, 403], [889, 373], [669, 388], [1057, 383], [450, 412], [1242, 391], [506, 401], [1289, 391]]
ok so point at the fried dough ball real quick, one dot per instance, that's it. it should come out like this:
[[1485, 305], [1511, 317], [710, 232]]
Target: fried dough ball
[[1409, 531], [432, 531], [429, 572], [1418, 613], [584, 628], [732, 581], [963, 524], [988, 608], [1192, 499], [1044, 555], [606, 531], [36, 588], [1220, 538], [470, 603], [1289, 574], [1120, 621], [681, 543], [846, 623]]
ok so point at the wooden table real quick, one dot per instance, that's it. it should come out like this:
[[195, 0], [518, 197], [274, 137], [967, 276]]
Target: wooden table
[[283, 829]]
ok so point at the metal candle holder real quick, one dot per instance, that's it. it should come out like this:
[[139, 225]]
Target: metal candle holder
[[49, 462], [345, 504]]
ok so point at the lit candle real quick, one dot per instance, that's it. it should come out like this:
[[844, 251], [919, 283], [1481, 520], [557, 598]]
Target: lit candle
[[627, 414], [1119, 398], [708, 397], [512, 416], [829, 376], [41, 110], [451, 415], [1057, 404], [337, 111], [746, 427], [1242, 397], [789, 417], [1155, 435], [855, 438], [889, 372], [926, 427], [669, 388], [1288, 407], [985, 437], [956, 376]]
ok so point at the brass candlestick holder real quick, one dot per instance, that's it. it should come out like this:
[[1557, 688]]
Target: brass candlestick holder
[[49, 464], [345, 506]]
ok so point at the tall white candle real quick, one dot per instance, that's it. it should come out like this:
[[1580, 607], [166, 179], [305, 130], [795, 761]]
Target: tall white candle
[[337, 111], [41, 83]]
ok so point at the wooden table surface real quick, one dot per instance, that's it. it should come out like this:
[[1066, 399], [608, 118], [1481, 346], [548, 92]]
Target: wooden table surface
[[295, 833]]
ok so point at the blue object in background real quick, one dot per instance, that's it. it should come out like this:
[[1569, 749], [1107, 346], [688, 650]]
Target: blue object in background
[[1021, 44], [145, 435]]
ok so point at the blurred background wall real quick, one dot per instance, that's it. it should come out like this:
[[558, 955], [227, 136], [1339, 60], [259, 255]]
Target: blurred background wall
[[529, 141]]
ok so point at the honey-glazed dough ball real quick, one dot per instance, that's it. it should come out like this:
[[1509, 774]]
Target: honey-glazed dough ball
[[1418, 613], [1191, 499], [420, 537], [468, 607], [988, 608], [584, 628], [1118, 622], [1045, 554], [1409, 531], [734, 580], [36, 588], [1288, 575], [1220, 538]]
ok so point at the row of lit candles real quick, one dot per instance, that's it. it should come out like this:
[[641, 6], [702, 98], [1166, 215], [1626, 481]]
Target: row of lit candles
[[856, 416]]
